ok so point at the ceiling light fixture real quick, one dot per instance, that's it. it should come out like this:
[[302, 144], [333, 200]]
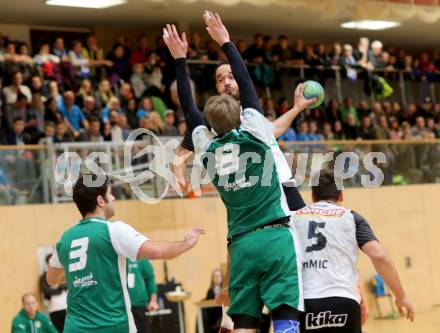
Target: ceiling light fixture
[[370, 24], [97, 4]]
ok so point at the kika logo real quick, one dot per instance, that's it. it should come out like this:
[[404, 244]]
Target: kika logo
[[325, 319]]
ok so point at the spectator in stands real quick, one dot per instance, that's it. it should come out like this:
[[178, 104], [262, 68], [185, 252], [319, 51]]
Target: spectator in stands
[[363, 109], [29, 319], [125, 95], [419, 129], [17, 137], [366, 129], [327, 131], [18, 109], [93, 134], [145, 107], [121, 68], [123, 124], [299, 54], [141, 54], [362, 54], [283, 106], [139, 80], [376, 55], [55, 94], [94, 53], [32, 129], [409, 114], [80, 61], [427, 108], [85, 90], [303, 132], [181, 127], [8, 194], [11, 59], [51, 111], [288, 135], [255, 52], [381, 132], [310, 57], [49, 133], [175, 98], [37, 110], [156, 124], [103, 94], [117, 134], [37, 87], [130, 113], [433, 128], [338, 131], [213, 316], [113, 104], [314, 134], [16, 87], [196, 49], [348, 109], [321, 54], [61, 133], [89, 109], [376, 112], [282, 51], [351, 130], [57, 298], [73, 114], [65, 72], [268, 49], [26, 62], [269, 107], [47, 61], [335, 57], [169, 127], [332, 111], [348, 61], [107, 131], [395, 131]]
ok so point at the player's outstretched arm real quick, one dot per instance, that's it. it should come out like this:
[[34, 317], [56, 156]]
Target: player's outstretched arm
[[168, 250], [178, 47], [385, 267], [218, 32], [282, 123]]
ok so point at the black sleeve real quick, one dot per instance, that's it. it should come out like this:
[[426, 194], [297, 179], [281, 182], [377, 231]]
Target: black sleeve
[[187, 141], [47, 290], [293, 197], [248, 95], [193, 116], [364, 233], [210, 294]]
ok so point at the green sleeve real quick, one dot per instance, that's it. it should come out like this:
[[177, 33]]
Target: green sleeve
[[18, 326], [148, 274]]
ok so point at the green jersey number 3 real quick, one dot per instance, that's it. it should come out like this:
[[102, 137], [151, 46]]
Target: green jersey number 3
[[78, 253]]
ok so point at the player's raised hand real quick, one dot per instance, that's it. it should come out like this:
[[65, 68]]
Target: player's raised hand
[[300, 102], [177, 45], [405, 303], [192, 237], [215, 27]]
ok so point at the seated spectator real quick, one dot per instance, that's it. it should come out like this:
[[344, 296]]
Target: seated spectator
[[406, 157], [17, 137], [175, 98], [169, 127], [59, 50], [348, 109], [123, 124], [93, 134], [11, 59], [395, 131], [85, 90], [348, 61], [327, 131], [181, 127], [363, 109], [366, 129], [47, 61], [156, 123], [26, 62], [255, 52], [145, 107], [303, 132], [95, 54], [121, 68], [376, 55], [314, 135], [419, 129], [103, 94], [427, 108], [299, 54], [107, 131], [267, 49], [321, 54], [338, 131], [117, 134], [381, 131], [318, 115], [37, 87], [61, 133], [29, 319], [18, 109], [288, 135], [376, 112], [283, 106], [409, 114], [51, 111], [282, 51], [49, 133], [37, 110], [65, 71], [269, 107], [213, 316], [332, 111], [310, 57], [154, 84], [433, 128], [139, 80], [335, 57], [73, 114], [55, 94], [113, 104], [89, 108], [351, 130], [130, 112], [82, 62], [125, 94], [16, 87], [141, 54]]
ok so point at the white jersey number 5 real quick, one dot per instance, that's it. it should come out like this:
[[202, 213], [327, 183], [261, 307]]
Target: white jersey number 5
[[79, 253]]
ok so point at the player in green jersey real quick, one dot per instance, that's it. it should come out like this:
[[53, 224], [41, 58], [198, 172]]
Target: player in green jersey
[[142, 290], [92, 257]]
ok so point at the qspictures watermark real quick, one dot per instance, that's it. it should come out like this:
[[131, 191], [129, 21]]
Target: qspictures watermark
[[227, 160]]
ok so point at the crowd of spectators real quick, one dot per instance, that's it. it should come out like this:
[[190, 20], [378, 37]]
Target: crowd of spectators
[[79, 92]]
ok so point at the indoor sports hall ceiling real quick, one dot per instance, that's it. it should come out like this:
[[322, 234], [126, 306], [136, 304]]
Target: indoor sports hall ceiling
[[244, 18]]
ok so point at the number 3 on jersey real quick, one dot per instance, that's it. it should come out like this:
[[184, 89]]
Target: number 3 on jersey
[[78, 253]]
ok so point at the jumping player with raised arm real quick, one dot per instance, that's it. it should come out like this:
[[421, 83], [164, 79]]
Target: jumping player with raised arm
[[91, 256], [233, 79], [329, 236], [263, 264]]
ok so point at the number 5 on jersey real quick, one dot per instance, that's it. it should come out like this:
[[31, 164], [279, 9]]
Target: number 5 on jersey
[[78, 253]]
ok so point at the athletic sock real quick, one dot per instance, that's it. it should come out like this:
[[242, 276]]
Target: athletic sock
[[286, 326]]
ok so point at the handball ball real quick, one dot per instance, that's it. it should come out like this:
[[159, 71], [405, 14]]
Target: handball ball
[[313, 89]]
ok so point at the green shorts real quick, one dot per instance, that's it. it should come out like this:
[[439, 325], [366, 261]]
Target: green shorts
[[264, 271]]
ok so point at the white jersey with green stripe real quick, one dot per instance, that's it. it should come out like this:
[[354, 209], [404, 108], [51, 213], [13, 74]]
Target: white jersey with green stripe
[[93, 255], [241, 164]]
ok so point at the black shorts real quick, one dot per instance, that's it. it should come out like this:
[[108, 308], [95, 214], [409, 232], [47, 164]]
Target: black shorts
[[331, 315]]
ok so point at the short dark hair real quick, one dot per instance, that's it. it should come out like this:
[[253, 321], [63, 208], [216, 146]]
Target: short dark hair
[[222, 63], [18, 118], [85, 196], [325, 187]]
